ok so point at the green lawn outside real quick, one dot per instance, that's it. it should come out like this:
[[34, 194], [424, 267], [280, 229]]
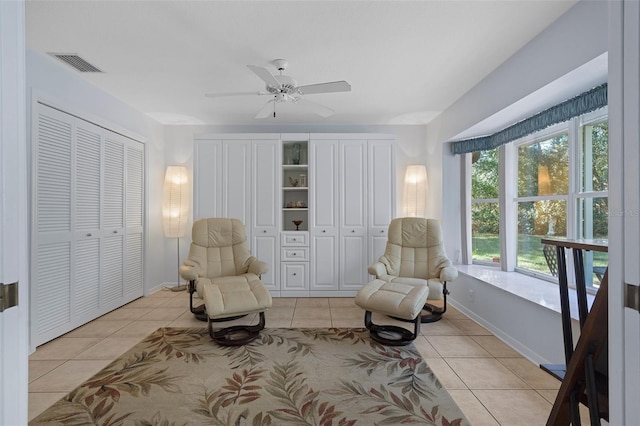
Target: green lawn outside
[[486, 247]]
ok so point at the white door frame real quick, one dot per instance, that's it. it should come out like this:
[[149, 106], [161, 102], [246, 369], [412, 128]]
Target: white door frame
[[14, 216], [624, 208]]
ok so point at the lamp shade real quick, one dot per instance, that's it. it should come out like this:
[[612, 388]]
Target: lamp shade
[[175, 205], [415, 191]]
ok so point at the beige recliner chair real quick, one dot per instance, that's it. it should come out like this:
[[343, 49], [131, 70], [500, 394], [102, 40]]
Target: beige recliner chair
[[223, 272], [415, 255]]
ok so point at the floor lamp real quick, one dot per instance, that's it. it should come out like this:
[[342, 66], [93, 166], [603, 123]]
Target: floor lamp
[[175, 207], [415, 191]]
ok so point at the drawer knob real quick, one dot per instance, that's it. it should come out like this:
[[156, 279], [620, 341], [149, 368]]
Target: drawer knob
[[89, 234], [324, 230], [115, 232], [295, 239], [264, 231], [294, 253], [353, 230], [294, 274]]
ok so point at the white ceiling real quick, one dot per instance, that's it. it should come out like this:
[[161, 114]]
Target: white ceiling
[[406, 61]]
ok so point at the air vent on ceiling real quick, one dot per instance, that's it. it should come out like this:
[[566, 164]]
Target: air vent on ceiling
[[76, 62]]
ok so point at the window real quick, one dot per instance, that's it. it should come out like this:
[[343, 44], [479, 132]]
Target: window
[[592, 202], [543, 189], [485, 214], [558, 185]]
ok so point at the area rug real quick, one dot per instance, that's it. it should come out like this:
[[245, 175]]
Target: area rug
[[335, 376]]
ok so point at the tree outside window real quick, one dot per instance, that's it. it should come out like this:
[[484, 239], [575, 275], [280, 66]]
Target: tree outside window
[[485, 213]]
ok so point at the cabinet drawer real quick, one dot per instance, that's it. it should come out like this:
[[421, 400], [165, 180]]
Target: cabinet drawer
[[295, 239], [294, 253], [295, 276]]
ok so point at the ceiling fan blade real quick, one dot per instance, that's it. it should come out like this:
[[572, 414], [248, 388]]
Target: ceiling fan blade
[[225, 94], [315, 107], [265, 75], [266, 110], [334, 86]]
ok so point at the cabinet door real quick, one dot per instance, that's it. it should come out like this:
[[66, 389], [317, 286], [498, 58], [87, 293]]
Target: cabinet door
[[266, 248], [323, 187], [265, 209], [236, 182], [134, 261], [323, 184], [265, 191], [382, 183], [52, 225], [113, 218], [324, 260], [88, 183], [207, 179], [353, 216], [382, 198]]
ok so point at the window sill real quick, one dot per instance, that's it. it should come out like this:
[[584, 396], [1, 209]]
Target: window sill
[[535, 290]]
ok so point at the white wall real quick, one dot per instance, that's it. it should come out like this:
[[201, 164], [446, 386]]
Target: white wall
[[533, 330], [61, 85], [573, 40], [410, 149], [577, 37]]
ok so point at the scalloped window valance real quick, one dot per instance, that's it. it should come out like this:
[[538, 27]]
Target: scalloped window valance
[[591, 100]]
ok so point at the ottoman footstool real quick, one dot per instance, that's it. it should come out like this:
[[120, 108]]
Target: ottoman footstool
[[233, 296], [404, 301]]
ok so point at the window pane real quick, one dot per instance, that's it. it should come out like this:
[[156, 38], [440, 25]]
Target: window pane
[[484, 174], [593, 218], [536, 220], [543, 167], [594, 224], [485, 241], [594, 167]]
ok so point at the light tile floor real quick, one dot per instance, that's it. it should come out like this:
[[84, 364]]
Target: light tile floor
[[492, 383]]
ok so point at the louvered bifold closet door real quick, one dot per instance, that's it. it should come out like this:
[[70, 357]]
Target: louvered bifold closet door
[[86, 273], [51, 226], [134, 221], [112, 289]]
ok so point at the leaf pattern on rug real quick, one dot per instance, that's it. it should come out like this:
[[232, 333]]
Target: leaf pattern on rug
[[337, 335], [73, 410], [159, 420], [297, 345], [172, 343], [215, 408], [396, 409], [288, 383], [136, 377], [246, 356], [320, 377]]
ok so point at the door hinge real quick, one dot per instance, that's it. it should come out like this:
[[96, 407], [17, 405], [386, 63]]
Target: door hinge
[[8, 296], [632, 297]]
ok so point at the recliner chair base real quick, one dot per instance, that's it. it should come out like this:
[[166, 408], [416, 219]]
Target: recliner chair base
[[435, 313], [236, 335], [391, 335]]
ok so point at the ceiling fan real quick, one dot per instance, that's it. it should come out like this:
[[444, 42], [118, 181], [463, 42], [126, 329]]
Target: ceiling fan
[[283, 88]]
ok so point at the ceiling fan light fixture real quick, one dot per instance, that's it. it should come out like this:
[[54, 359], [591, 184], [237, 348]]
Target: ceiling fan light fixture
[[284, 88]]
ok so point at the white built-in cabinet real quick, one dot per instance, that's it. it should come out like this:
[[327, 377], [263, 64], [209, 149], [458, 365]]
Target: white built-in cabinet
[[87, 222], [238, 176], [344, 195]]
